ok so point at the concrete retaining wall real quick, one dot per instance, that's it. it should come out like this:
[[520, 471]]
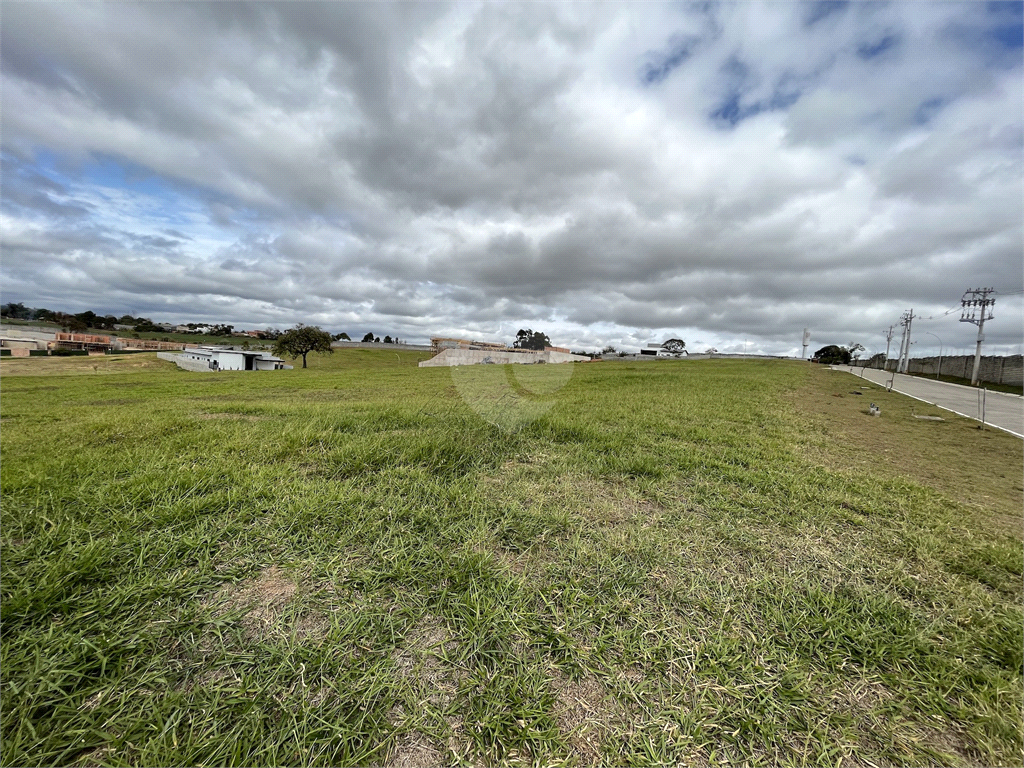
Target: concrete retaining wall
[[993, 369], [449, 357], [379, 345], [185, 363]]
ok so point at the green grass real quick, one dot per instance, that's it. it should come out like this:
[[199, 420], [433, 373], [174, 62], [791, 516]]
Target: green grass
[[366, 562]]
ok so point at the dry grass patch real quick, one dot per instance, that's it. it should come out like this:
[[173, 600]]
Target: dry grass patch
[[265, 600], [433, 684], [586, 714]]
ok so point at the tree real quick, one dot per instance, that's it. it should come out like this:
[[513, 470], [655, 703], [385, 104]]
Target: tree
[[341, 337], [88, 317], [854, 348], [675, 346], [18, 311], [608, 350], [368, 337], [387, 339], [301, 340], [530, 339], [833, 355]]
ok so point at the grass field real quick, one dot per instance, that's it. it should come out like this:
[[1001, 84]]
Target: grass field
[[366, 562]]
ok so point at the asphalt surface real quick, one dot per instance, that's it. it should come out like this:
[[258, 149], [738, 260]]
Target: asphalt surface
[[1000, 409]]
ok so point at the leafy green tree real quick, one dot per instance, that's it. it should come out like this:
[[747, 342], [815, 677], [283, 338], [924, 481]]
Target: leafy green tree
[[16, 310], [530, 339], [674, 345], [833, 355], [368, 337], [88, 317], [301, 340], [387, 340], [341, 337]]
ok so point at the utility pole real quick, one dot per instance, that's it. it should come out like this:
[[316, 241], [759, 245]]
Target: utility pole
[[904, 341], [888, 342], [975, 308], [807, 340], [906, 353]]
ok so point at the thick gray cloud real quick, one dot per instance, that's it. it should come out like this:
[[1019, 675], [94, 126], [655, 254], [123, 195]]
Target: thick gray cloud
[[611, 174]]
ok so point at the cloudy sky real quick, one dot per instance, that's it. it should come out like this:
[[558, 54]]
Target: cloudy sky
[[607, 173]]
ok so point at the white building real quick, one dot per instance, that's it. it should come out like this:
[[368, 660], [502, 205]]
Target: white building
[[226, 359]]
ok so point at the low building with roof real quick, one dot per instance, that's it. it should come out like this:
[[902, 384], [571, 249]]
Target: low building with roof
[[207, 358]]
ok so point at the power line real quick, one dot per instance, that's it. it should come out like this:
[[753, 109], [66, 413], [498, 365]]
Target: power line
[[949, 311]]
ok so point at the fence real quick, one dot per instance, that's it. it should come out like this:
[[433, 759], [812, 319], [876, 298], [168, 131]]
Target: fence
[[993, 370]]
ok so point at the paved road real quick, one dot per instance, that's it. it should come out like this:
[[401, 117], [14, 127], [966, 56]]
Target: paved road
[[1001, 409]]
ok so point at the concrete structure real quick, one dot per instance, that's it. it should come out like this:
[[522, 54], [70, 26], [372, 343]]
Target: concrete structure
[[21, 337], [341, 344], [12, 342], [224, 359], [998, 409], [438, 344], [457, 356], [151, 345], [84, 341], [994, 369]]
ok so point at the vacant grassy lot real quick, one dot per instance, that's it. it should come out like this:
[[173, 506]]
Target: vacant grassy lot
[[660, 562]]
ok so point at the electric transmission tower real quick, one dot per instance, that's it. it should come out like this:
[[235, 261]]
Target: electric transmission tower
[[976, 308]]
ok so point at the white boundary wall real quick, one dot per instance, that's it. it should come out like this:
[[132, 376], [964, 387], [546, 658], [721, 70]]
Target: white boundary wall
[[185, 363], [453, 356]]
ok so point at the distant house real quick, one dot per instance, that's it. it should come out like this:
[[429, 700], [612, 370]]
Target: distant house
[[226, 359], [663, 350]]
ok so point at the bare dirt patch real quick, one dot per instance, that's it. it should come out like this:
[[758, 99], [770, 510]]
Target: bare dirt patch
[[265, 600], [585, 712], [414, 750], [434, 684]]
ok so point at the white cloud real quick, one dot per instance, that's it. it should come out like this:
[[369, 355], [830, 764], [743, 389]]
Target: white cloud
[[610, 174]]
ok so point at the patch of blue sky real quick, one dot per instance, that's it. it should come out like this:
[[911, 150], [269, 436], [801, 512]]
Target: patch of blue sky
[[822, 10], [997, 36], [733, 111], [1010, 35], [867, 51], [130, 203], [928, 109], [662, 64]]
